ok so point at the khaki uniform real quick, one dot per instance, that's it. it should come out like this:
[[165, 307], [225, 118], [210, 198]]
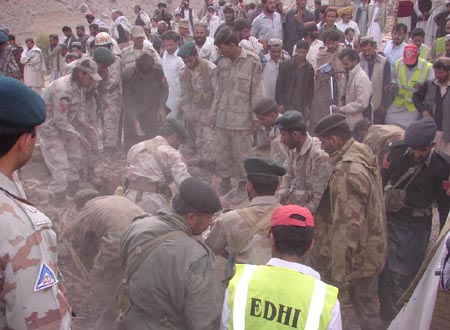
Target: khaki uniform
[[110, 99], [96, 235], [152, 166], [182, 291], [278, 150], [230, 233], [129, 56], [239, 87], [308, 171], [350, 234], [379, 137], [60, 146], [197, 95], [28, 250]]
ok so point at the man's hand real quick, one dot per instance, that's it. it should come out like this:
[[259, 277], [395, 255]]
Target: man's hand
[[138, 130], [426, 113], [85, 143], [335, 109], [281, 109], [161, 115], [212, 121]]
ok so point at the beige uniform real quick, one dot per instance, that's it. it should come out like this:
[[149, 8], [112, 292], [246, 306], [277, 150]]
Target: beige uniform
[[152, 166], [239, 87], [130, 54], [197, 94], [308, 171], [30, 295]]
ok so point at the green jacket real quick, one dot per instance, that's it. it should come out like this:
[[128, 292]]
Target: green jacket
[[350, 233], [175, 287]]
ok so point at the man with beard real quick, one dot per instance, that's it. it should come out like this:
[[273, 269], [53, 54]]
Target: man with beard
[[243, 30], [205, 45], [268, 24], [55, 58], [415, 176], [323, 96], [34, 66], [331, 15], [144, 95], [242, 236], [433, 99], [82, 37], [8, 65], [294, 24], [307, 167]]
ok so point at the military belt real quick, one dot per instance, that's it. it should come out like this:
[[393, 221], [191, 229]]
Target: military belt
[[143, 186]]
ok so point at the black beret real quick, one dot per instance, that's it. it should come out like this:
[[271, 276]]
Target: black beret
[[162, 4], [178, 127], [104, 56], [420, 134], [197, 196], [264, 106], [222, 35], [330, 122], [291, 120], [19, 105], [188, 49], [3, 38], [263, 166]]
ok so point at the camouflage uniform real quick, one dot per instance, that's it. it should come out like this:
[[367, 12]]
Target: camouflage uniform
[[96, 234], [197, 94], [350, 233], [278, 151], [181, 292], [110, 99], [379, 137], [228, 231], [308, 171], [60, 146], [27, 243], [148, 183], [129, 56], [239, 87]]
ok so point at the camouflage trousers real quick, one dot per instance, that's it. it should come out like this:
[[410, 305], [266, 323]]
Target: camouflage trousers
[[232, 148], [63, 160], [204, 141], [150, 202], [111, 120], [359, 305]]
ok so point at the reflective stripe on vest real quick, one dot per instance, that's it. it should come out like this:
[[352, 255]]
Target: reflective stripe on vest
[[267, 297], [440, 45], [406, 89]]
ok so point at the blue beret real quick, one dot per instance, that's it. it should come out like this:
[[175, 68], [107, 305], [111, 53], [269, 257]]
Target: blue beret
[[19, 105], [3, 38], [291, 120], [420, 134], [188, 49], [263, 166]]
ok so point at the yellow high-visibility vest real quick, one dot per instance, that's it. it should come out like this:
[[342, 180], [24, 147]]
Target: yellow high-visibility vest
[[406, 88], [278, 298]]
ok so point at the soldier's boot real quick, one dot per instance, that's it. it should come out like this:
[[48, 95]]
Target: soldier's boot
[[59, 200], [72, 188], [93, 179], [225, 186], [241, 193]]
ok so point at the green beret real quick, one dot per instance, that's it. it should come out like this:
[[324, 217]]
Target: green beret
[[188, 49], [265, 105], [104, 56], [19, 105], [196, 196], [420, 134], [222, 35], [291, 120], [3, 38], [263, 166], [177, 127], [330, 122]]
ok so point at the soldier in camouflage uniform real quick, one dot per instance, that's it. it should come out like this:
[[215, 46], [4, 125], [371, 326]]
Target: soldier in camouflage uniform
[[96, 234], [308, 166], [198, 82], [350, 233], [63, 135], [8, 65], [30, 295], [243, 236], [266, 110], [153, 165], [110, 98], [239, 87], [140, 45], [173, 286], [377, 137]]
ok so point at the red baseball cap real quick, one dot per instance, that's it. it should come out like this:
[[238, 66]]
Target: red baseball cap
[[410, 54], [292, 215]]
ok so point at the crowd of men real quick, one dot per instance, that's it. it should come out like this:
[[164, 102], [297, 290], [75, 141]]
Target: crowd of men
[[340, 142]]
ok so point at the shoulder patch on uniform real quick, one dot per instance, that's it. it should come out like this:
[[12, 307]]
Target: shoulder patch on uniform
[[45, 279]]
